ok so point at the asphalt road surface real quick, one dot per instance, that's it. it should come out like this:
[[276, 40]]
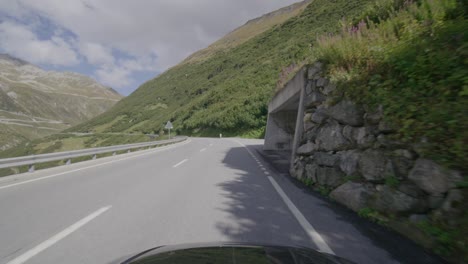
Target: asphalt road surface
[[202, 190]]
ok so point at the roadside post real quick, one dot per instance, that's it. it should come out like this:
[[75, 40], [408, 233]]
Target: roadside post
[[169, 127]]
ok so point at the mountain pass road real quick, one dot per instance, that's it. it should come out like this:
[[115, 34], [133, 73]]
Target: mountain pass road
[[200, 190]]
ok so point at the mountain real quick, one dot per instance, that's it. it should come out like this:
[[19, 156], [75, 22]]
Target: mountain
[[226, 87], [35, 103], [246, 32]]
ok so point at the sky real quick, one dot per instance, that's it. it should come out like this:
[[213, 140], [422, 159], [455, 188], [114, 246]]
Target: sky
[[120, 43]]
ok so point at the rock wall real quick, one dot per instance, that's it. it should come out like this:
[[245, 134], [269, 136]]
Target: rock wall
[[348, 150]]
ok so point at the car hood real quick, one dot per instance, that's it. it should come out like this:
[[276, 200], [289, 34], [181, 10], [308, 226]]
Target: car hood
[[223, 252]]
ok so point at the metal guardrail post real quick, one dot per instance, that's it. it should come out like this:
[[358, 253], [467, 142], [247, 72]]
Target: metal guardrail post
[[94, 156], [68, 162], [31, 168]]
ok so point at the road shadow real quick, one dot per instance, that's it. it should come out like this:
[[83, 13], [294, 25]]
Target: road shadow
[[345, 237], [258, 215]]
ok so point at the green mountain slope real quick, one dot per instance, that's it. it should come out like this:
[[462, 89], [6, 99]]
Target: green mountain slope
[[246, 32], [228, 92]]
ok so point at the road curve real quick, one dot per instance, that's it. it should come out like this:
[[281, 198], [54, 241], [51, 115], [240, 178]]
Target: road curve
[[202, 190]]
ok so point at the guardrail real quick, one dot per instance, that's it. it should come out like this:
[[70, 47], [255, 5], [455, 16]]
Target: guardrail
[[68, 155]]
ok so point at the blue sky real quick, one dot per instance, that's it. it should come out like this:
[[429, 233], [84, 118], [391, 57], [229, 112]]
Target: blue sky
[[119, 43]]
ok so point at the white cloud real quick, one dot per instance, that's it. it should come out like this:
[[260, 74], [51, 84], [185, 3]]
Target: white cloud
[[20, 41], [121, 37], [172, 29], [96, 54], [116, 77]]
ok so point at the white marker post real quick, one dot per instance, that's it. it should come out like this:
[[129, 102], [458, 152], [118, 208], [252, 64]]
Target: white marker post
[[169, 126]]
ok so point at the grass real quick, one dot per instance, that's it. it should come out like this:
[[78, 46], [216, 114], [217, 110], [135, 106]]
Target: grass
[[228, 92], [352, 178], [392, 181], [445, 239], [451, 240], [373, 216], [67, 142], [46, 97], [413, 63], [248, 31], [325, 191]]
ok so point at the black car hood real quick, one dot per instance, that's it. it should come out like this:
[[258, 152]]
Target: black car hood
[[223, 252]]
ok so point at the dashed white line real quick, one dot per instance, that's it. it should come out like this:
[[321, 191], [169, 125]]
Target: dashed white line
[[203, 149], [56, 238], [97, 165], [180, 163], [211, 144]]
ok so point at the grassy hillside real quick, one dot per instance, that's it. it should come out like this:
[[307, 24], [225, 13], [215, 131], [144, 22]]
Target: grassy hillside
[[414, 64], [246, 32], [228, 92], [413, 61]]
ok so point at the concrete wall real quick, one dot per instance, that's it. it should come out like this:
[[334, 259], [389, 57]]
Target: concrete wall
[[283, 114], [280, 130]]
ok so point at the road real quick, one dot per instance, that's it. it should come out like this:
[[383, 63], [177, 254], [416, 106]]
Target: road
[[202, 190]]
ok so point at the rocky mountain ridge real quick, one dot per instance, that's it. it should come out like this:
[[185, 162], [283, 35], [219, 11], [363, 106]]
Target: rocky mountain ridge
[[35, 102]]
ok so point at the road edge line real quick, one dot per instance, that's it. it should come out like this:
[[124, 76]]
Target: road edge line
[[308, 228]]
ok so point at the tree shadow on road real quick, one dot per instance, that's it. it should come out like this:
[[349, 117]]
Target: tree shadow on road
[[262, 217], [258, 215]]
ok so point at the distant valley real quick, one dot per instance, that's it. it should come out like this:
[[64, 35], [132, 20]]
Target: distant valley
[[35, 103]]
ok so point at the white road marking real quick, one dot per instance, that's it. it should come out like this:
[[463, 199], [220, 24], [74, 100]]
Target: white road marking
[[310, 230], [51, 241], [266, 173], [203, 149], [180, 163], [211, 144], [263, 168], [97, 165]]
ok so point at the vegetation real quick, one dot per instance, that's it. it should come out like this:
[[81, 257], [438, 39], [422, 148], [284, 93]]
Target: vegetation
[[248, 31], [392, 181], [352, 178], [408, 56], [67, 142], [412, 60], [35, 103], [451, 240], [228, 92], [373, 216], [444, 238], [307, 181]]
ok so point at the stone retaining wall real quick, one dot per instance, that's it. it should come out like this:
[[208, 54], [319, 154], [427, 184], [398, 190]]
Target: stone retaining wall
[[347, 149]]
